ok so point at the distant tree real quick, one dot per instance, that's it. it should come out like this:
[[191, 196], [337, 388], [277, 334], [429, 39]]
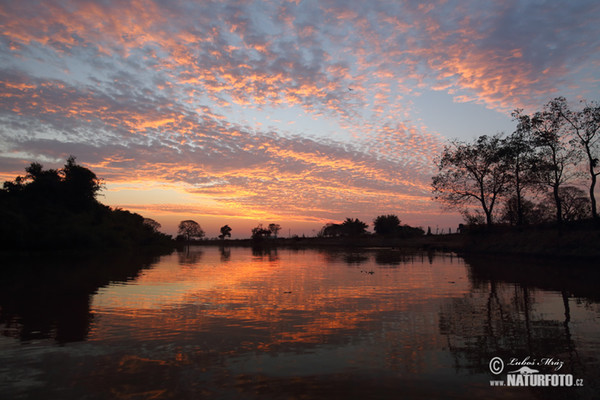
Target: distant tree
[[349, 228], [354, 227], [274, 229], [555, 154], [331, 230], [152, 224], [386, 225], [585, 125], [259, 232], [472, 173], [225, 232], [190, 229]]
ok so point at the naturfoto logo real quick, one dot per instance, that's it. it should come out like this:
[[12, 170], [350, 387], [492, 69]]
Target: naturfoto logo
[[526, 372]]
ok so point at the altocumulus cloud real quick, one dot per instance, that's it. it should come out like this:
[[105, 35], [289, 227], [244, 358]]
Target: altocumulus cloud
[[183, 93]]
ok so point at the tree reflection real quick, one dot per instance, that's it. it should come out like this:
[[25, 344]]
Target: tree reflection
[[507, 322], [265, 252], [190, 255], [225, 253], [49, 296]]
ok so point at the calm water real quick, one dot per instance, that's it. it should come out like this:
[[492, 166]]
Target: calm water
[[238, 323]]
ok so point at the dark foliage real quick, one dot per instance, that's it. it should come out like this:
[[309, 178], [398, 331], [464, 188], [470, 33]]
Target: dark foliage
[[259, 232], [225, 232], [386, 225], [189, 230], [349, 228], [389, 226], [58, 209]]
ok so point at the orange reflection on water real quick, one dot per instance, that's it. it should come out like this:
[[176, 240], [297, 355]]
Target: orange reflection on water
[[267, 299]]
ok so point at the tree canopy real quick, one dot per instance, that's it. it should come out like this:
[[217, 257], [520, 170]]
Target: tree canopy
[[550, 151], [58, 209], [472, 173], [349, 228], [386, 225], [225, 232], [190, 229]]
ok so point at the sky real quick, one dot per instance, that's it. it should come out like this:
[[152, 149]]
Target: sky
[[292, 112]]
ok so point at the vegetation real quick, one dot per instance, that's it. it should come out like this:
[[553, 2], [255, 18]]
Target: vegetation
[[189, 230], [349, 228], [389, 226], [225, 232], [259, 233], [274, 229], [472, 172], [541, 161], [58, 209]]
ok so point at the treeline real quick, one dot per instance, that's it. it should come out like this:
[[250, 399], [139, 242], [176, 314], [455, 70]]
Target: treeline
[[387, 226], [51, 209], [546, 170], [384, 225]]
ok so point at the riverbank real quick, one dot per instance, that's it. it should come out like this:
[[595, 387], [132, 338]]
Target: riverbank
[[575, 240], [431, 242]]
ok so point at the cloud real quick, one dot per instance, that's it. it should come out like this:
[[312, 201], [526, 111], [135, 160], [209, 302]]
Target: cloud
[[137, 141], [183, 92]]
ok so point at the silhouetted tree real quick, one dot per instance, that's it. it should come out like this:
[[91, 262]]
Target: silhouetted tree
[[386, 225], [518, 153], [406, 231], [555, 154], [585, 125], [472, 173], [190, 229], [575, 204], [274, 228], [225, 232], [529, 213], [259, 232], [349, 228], [81, 184], [58, 209], [354, 227], [331, 230], [152, 224]]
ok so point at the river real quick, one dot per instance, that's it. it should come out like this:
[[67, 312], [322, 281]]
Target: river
[[211, 322]]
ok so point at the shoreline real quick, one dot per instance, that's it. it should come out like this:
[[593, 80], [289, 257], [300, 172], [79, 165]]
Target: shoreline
[[579, 242]]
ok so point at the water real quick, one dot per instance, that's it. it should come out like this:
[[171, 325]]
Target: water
[[243, 323]]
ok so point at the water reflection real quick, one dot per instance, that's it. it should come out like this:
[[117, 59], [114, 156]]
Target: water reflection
[[527, 309], [47, 297], [256, 322]]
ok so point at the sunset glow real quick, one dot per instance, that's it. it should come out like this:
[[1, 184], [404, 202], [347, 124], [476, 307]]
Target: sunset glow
[[297, 112]]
